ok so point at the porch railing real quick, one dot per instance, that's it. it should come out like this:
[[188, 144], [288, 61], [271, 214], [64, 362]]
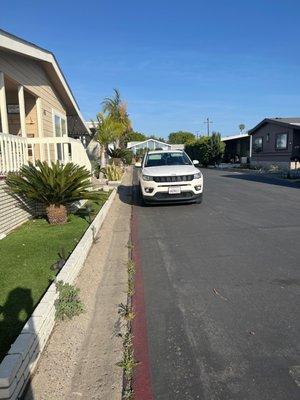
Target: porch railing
[[16, 151], [13, 153]]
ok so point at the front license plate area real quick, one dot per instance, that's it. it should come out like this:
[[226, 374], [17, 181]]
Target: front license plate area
[[175, 190]]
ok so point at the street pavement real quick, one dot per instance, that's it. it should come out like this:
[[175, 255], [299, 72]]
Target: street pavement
[[221, 289]]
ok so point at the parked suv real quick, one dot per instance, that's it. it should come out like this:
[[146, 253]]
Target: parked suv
[[170, 176]]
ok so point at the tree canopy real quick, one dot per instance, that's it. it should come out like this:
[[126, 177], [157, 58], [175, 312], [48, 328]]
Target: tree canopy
[[160, 139], [133, 136], [241, 127], [181, 137], [207, 149], [109, 130], [116, 109]]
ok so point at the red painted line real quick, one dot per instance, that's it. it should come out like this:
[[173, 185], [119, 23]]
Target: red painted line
[[142, 376]]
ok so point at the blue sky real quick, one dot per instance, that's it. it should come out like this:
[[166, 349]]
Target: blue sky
[[175, 62]]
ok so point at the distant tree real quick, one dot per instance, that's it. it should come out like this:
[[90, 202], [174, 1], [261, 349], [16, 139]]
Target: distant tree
[[181, 137], [133, 136], [160, 139], [217, 148], [241, 128]]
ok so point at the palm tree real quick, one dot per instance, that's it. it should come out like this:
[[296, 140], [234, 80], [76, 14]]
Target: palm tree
[[115, 108], [108, 131], [241, 128], [54, 186]]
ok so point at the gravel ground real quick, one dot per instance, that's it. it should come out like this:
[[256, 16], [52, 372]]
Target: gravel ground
[[80, 359]]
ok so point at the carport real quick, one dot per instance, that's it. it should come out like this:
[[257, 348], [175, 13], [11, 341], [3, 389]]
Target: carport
[[237, 148]]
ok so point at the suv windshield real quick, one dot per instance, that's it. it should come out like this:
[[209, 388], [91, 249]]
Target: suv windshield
[[161, 159]]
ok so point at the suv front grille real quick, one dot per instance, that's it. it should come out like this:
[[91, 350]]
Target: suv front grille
[[167, 196], [182, 178]]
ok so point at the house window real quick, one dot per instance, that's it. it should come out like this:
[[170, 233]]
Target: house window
[[281, 141], [60, 129], [268, 137], [60, 125], [258, 144]]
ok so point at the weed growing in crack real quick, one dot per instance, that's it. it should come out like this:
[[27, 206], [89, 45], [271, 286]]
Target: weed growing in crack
[[130, 290], [126, 312], [128, 393], [128, 340], [130, 268], [130, 246], [128, 362]]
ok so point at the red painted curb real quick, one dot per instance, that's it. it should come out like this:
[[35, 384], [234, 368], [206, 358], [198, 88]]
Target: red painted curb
[[142, 376]]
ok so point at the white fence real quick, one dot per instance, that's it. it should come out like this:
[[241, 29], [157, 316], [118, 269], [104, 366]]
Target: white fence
[[13, 153], [16, 151]]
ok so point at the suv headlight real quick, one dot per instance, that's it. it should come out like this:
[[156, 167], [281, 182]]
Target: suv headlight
[[197, 175], [146, 178]]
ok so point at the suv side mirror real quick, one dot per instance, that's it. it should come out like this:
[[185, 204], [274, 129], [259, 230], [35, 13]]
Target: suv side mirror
[[138, 164], [195, 162]]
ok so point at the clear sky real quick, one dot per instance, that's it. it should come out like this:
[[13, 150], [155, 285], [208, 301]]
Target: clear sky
[[175, 62]]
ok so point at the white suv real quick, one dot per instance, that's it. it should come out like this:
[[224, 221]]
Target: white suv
[[168, 176]]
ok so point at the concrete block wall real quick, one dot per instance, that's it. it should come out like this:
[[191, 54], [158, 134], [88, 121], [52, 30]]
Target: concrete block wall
[[22, 358], [12, 213]]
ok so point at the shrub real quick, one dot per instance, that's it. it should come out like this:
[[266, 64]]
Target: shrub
[[68, 305], [207, 149], [54, 186], [112, 172]]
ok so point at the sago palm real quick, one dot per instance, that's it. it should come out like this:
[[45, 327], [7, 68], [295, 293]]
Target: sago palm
[[54, 186]]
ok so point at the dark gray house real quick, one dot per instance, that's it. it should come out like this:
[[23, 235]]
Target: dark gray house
[[276, 141]]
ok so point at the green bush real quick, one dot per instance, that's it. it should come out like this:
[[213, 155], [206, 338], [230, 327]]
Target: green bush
[[68, 305], [207, 149]]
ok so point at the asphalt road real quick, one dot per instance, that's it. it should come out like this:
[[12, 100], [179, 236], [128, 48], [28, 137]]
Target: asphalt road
[[221, 283]]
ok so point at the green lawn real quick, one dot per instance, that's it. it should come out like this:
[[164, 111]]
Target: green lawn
[[26, 256]]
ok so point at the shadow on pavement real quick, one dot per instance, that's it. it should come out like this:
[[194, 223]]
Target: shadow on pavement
[[264, 179], [128, 194]]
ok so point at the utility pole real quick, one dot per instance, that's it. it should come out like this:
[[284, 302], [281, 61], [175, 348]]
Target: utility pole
[[208, 122]]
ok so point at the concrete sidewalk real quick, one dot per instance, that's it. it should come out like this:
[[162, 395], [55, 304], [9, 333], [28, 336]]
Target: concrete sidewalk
[[80, 360]]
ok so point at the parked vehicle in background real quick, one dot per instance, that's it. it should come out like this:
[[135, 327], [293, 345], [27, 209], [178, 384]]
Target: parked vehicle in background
[[169, 176]]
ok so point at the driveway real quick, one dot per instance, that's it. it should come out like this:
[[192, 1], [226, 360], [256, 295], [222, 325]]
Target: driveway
[[221, 291]]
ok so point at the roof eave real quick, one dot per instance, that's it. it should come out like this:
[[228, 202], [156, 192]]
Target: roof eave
[[17, 45]]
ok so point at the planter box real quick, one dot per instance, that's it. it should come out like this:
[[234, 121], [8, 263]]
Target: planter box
[[114, 184], [23, 356]]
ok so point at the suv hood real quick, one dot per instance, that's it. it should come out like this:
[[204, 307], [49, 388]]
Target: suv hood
[[170, 170]]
